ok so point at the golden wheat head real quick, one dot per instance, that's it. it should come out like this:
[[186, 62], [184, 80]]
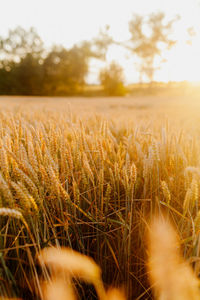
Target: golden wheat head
[[171, 277]]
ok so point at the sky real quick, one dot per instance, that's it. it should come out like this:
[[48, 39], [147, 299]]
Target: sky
[[68, 22]]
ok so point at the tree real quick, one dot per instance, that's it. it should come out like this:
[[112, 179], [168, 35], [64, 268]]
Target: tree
[[150, 44], [28, 76], [26, 68], [102, 42], [20, 64], [112, 79], [149, 39], [65, 70]]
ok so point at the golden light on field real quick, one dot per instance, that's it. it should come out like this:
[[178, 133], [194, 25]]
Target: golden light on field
[[68, 22], [89, 167], [68, 165]]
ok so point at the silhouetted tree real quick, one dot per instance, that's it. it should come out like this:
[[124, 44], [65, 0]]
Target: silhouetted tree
[[112, 79], [149, 37], [26, 68], [20, 64], [102, 42], [28, 75], [65, 71], [150, 44]]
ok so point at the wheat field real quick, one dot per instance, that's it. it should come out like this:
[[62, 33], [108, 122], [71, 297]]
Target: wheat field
[[90, 174]]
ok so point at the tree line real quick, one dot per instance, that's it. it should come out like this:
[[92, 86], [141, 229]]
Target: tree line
[[27, 68]]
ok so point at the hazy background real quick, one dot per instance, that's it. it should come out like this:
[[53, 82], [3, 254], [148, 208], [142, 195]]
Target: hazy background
[[68, 22]]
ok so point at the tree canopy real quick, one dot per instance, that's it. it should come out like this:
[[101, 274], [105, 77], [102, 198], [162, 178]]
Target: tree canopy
[[112, 80], [149, 38], [150, 43], [27, 68]]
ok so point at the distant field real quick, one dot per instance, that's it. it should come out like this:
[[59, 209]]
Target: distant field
[[184, 104], [89, 173]]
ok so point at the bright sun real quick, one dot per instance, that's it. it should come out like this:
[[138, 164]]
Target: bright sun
[[181, 63]]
